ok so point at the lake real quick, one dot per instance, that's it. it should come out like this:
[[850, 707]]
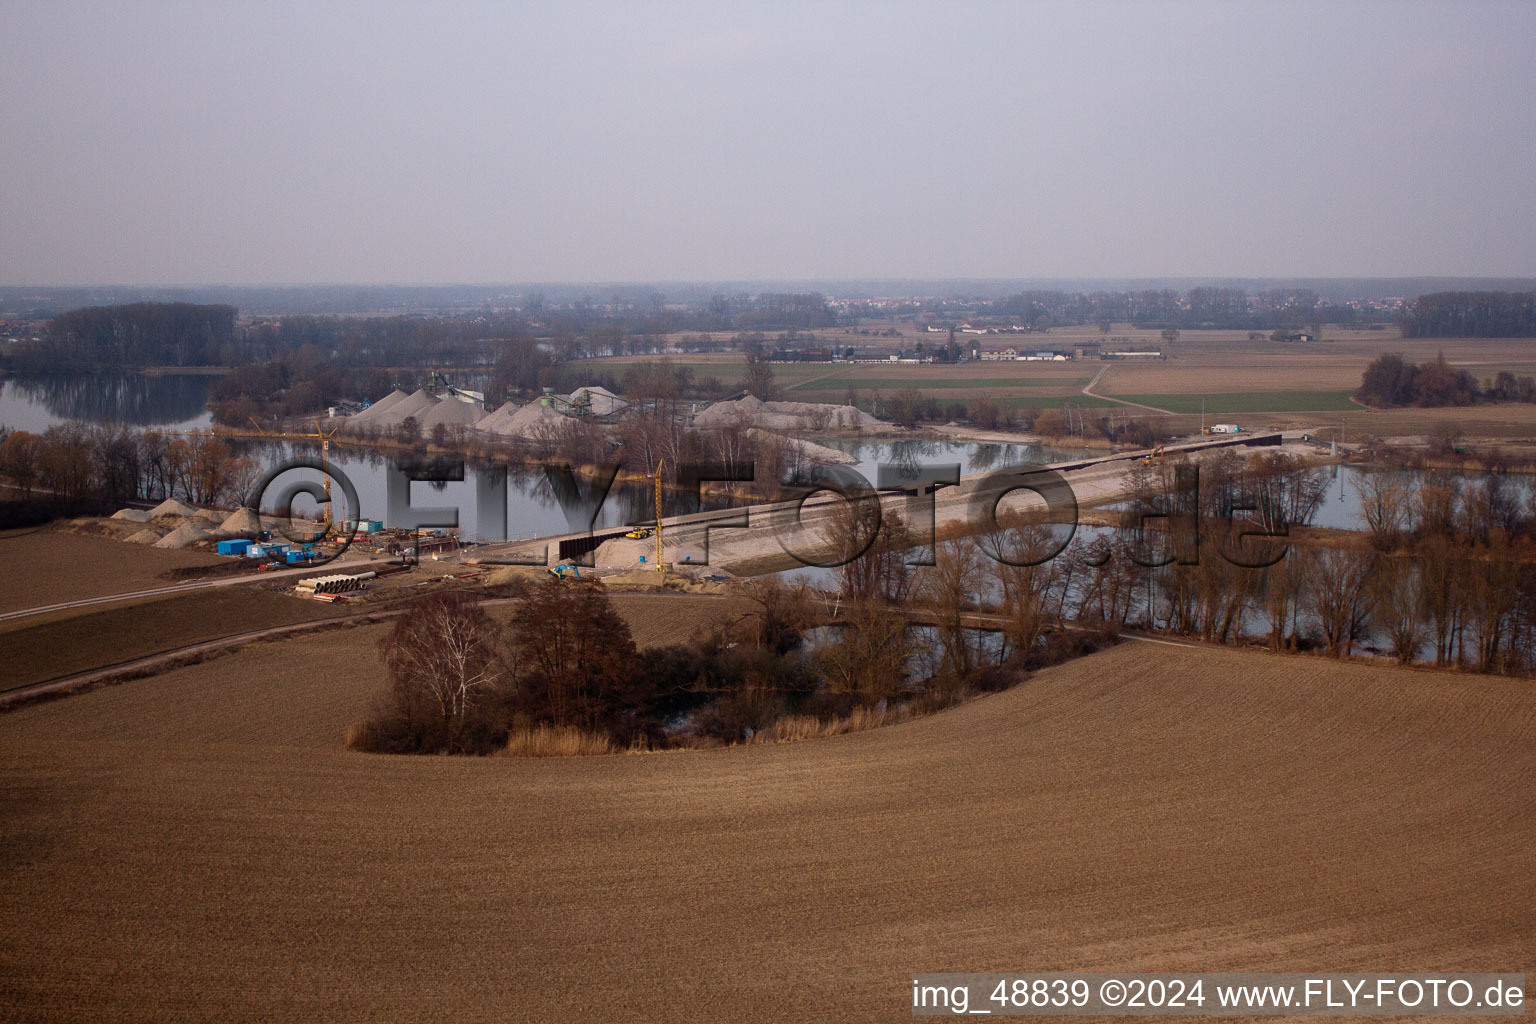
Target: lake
[[177, 402], [173, 401]]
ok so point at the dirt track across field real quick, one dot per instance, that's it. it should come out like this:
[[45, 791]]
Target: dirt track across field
[[44, 566], [200, 845]]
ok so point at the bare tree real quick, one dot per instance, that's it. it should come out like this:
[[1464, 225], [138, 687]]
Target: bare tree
[[950, 588], [446, 668], [1026, 577], [758, 377], [1400, 606], [1384, 502], [1340, 595], [873, 549], [870, 658]]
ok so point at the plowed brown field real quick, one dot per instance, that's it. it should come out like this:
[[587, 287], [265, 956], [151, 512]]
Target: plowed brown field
[[200, 846]]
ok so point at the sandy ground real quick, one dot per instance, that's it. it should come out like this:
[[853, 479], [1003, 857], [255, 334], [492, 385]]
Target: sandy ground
[[199, 845], [46, 566]]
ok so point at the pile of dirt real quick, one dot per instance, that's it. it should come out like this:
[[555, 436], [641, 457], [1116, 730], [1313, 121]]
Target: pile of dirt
[[507, 573], [417, 406], [535, 419], [183, 536], [453, 411], [370, 415], [148, 535], [807, 449], [598, 401], [637, 577], [753, 412], [393, 409], [241, 521], [496, 422], [132, 515], [172, 507], [621, 552]]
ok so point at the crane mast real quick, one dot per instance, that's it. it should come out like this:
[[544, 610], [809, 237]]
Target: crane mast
[[659, 566]]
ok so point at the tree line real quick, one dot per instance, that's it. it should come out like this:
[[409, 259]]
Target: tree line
[[1472, 315], [141, 334], [73, 468], [1202, 307]]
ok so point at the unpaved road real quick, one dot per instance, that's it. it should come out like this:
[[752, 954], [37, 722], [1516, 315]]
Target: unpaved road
[[1088, 390]]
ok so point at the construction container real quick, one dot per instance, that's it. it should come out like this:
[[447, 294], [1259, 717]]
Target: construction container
[[233, 547]]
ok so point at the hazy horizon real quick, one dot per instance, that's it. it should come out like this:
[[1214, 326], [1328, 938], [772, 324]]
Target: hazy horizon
[[187, 145]]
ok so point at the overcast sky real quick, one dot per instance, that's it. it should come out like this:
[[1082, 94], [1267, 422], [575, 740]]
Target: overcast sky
[[157, 143]]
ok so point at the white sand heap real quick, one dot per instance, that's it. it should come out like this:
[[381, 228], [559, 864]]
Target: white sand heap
[[172, 507], [598, 401], [132, 515], [210, 516], [496, 422], [182, 536], [241, 521], [377, 409], [148, 535], [453, 411], [393, 409], [808, 450], [415, 407], [535, 419], [753, 412], [623, 553]]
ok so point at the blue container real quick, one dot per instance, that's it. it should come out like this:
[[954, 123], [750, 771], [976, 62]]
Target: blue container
[[254, 551], [233, 547], [295, 556]]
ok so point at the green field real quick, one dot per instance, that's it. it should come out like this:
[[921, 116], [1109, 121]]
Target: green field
[[1055, 402], [1249, 401], [934, 383]]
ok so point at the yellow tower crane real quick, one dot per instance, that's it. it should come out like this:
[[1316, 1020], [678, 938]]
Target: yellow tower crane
[[325, 472], [325, 463], [660, 566]]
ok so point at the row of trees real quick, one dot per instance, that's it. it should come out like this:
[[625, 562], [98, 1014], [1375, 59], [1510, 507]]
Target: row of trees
[[1450, 579], [73, 467], [1472, 315], [1201, 307]]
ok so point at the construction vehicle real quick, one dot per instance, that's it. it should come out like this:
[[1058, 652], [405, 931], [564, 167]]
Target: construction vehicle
[[1157, 453], [559, 572], [640, 533]]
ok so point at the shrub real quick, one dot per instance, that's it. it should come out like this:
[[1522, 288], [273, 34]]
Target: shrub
[[555, 741]]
